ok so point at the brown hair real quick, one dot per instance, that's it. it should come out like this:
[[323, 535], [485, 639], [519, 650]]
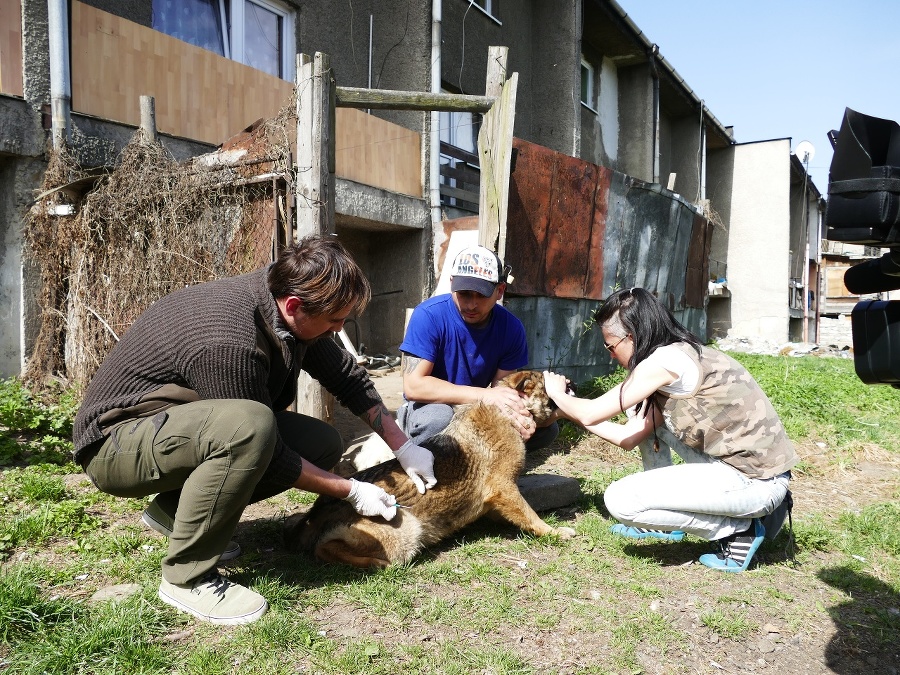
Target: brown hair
[[321, 272]]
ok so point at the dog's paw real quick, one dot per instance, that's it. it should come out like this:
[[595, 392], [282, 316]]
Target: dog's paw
[[565, 532]]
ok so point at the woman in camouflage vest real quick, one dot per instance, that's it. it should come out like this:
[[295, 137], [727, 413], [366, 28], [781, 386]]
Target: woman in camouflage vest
[[738, 457]]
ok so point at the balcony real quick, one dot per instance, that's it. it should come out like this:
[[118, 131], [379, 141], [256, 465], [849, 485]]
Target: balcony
[[200, 95]]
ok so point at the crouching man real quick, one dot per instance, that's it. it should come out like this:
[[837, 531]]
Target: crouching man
[[191, 405]]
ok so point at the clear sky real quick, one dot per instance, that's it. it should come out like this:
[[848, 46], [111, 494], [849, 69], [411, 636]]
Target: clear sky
[[781, 68]]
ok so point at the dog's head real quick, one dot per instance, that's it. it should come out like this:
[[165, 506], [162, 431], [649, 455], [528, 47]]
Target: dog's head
[[530, 383]]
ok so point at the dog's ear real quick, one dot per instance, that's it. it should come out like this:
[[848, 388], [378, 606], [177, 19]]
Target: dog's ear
[[528, 381]]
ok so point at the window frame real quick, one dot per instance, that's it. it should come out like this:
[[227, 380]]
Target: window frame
[[591, 70], [232, 16], [490, 8], [236, 36]]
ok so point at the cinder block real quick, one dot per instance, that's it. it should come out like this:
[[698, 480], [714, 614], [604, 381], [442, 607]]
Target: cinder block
[[545, 492]]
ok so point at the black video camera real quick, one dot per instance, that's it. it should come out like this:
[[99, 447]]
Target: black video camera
[[864, 208]]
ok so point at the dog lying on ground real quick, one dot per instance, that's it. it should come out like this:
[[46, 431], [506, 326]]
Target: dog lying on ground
[[477, 461]]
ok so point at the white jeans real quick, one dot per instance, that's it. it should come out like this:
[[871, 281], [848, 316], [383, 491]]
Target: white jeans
[[703, 497]]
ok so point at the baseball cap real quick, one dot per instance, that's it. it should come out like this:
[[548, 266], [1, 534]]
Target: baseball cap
[[478, 269]]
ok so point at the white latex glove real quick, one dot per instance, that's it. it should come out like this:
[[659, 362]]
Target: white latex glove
[[371, 500], [418, 463]]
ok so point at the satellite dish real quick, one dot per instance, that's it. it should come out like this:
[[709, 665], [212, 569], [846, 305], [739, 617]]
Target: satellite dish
[[805, 151]]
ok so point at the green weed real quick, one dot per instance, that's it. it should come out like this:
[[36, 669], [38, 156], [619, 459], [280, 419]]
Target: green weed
[[824, 395], [24, 607], [50, 519], [35, 429], [728, 623]]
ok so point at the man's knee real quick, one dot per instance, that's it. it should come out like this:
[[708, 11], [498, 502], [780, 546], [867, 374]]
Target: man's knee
[[543, 436], [248, 427], [332, 448], [312, 439], [424, 421]]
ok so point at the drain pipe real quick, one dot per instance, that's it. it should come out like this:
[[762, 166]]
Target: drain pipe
[[654, 73], [60, 85], [434, 164]]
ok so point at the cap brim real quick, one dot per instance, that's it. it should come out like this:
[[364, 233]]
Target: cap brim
[[482, 286]]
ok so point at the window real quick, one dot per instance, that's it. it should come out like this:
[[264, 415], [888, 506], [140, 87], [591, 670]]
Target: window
[[460, 130], [587, 84], [258, 33], [489, 7], [459, 159]]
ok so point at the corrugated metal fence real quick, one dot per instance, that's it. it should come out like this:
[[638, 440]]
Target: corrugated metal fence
[[578, 231]]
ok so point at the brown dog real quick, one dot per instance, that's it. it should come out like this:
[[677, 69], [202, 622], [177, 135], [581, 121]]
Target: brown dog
[[477, 461]]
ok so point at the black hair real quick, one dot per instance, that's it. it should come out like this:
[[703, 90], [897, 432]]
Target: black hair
[[649, 322]]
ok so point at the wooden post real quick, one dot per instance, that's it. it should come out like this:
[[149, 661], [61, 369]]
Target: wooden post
[[148, 119], [495, 153], [315, 145], [496, 72], [315, 187]]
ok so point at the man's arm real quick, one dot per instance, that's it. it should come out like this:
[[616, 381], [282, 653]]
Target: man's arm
[[421, 386], [379, 418], [418, 462]]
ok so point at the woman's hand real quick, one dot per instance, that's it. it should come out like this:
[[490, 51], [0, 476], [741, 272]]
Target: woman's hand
[[555, 385]]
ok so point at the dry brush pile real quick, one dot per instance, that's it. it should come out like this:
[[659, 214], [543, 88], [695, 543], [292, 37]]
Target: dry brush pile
[[150, 226]]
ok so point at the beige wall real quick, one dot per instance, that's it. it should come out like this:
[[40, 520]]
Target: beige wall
[[758, 242], [203, 96], [11, 48]]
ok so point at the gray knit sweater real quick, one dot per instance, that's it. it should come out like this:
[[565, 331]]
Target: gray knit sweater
[[222, 339]]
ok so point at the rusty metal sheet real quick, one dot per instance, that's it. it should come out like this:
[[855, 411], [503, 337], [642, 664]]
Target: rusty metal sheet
[[568, 242], [696, 284], [593, 282], [556, 225], [528, 216], [576, 230]]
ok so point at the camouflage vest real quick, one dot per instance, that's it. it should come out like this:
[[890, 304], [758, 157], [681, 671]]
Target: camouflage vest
[[729, 417]]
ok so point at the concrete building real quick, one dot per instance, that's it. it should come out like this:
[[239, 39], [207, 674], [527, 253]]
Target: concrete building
[[769, 252], [591, 86]]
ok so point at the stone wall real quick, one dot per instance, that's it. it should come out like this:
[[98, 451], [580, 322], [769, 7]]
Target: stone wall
[[835, 331]]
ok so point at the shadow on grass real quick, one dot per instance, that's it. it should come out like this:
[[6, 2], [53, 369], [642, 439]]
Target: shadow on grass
[[266, 554], [867, 623], [689, 550]]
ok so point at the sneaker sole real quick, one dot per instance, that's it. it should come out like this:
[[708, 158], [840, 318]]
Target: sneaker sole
[[250, 617], [230, 553], [154, 524], [663, 536]]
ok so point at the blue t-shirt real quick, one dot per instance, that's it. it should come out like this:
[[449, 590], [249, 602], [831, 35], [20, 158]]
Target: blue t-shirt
[[460, 353]]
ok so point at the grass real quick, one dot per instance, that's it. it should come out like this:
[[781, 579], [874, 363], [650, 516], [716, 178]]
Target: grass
[[489, 600], [822, 398]]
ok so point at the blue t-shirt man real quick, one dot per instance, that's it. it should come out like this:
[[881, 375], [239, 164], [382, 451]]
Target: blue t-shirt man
[[458, 344]]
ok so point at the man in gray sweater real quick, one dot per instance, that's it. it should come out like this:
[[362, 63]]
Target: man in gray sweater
[[192, 405]]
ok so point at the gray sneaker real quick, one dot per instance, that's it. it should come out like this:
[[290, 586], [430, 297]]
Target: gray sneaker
[[214, 599], [157, 519]]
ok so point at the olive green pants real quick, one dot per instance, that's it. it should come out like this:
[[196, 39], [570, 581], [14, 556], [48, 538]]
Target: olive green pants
[[208, 460]]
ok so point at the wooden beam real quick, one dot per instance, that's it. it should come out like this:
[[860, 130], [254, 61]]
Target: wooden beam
[[388, 99], [496, 74], [148, 119], [315, 146], [495, 154], [315, 188]]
